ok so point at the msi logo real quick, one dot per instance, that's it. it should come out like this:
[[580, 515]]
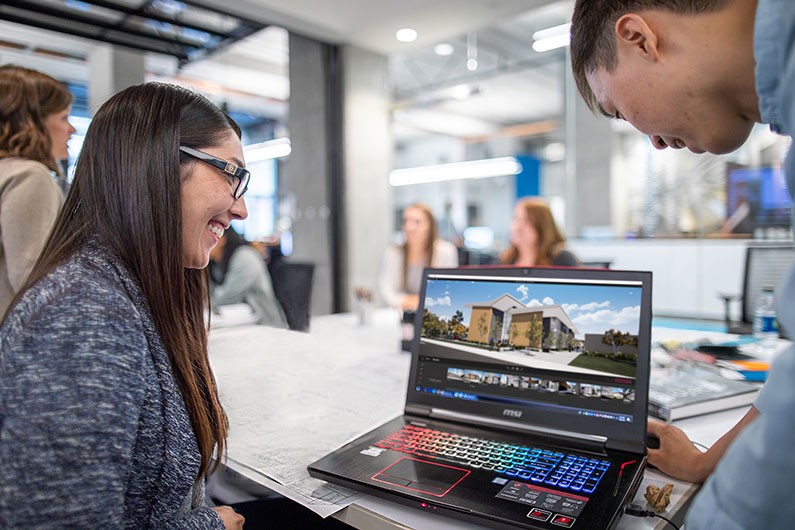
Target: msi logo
[[512, 413]]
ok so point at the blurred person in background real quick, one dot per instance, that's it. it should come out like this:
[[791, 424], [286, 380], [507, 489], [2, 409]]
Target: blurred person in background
[[238, 275], [535, 239], [34, 131], [401, 274]]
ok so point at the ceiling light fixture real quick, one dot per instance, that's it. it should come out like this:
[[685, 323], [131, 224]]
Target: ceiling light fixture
[[552, 38], [461, 92], [266, 150], [473, 169], [406, 35], [444, 49], [472, 51], [554, 31]]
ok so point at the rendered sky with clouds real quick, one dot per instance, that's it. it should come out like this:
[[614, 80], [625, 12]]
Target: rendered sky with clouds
[[592, 308]]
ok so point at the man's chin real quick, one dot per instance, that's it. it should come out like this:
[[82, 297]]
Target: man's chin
[[721, 147]]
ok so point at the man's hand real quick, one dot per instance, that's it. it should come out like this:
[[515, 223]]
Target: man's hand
[[677, 456], [232, 520]]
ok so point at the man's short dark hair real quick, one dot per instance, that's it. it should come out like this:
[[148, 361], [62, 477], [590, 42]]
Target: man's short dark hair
[[593, 42]]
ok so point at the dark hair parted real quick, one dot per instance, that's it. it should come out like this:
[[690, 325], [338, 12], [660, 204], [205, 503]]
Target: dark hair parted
[[593, 39], [27, 97], [127, 190]]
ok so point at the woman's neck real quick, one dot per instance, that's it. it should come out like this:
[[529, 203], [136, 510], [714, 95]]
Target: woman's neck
[[415, 253], [526, 257]]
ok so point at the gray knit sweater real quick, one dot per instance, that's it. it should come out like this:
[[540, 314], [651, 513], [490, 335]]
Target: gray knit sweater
[[93, 430]]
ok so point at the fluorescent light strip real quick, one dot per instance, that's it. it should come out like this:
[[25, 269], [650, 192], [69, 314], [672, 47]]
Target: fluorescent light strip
[[266, 150], [474, 169], [550, 43], [554, 31]]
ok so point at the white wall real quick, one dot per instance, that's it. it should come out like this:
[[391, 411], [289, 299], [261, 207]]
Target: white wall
[[688, 275]]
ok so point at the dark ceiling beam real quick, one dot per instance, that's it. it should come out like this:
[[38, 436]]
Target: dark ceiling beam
[[139, 12], [180, 54], [92, 21], [213, 8]]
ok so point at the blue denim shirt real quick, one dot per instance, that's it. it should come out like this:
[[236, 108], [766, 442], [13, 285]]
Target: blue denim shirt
[[751, 486]]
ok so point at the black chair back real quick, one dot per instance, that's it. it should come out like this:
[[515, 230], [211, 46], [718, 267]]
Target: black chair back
[[766, 265], [292, 284]]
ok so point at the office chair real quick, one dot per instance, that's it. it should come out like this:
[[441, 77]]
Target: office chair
[[597, 264], [292, 284], [766, 265]]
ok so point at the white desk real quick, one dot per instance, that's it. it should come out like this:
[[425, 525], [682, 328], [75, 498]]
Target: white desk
[[293, 397]]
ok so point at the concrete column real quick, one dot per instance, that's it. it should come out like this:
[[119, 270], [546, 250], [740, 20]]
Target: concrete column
[[113, 68], [367, 161], [306, 173], [343, 199], [589, 144]]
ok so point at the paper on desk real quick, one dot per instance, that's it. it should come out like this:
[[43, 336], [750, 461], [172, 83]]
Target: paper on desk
[[292, 398]]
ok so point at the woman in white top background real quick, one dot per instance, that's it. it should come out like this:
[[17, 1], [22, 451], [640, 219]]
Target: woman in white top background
[[401, 274]]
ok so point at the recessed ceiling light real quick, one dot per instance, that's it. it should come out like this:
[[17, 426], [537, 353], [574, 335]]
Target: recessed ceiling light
[[472, 64], [406, 35], [444, 49]]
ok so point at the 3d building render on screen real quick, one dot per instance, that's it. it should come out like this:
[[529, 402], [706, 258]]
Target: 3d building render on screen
[[579, 328], [506, 320]]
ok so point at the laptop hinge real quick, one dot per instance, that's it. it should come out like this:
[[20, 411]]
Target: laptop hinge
[[417, 410], [630, 447], [591, 439]]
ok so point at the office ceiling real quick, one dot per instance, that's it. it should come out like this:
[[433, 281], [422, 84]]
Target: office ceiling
[[514, 91], [371, 24], [513, 84]]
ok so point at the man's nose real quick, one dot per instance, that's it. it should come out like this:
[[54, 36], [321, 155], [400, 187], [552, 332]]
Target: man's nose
[[658, 142]]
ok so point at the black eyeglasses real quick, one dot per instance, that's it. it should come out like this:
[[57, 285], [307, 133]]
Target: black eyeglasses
[[241, 174]]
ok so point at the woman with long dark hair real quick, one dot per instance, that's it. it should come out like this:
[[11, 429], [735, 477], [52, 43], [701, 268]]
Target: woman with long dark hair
[[109, 414], [34, 130]]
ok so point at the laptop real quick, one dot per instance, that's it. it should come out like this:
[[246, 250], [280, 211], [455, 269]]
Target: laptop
[[526, 403]]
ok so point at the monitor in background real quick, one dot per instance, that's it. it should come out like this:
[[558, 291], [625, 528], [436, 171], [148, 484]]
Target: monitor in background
[[763, 194]]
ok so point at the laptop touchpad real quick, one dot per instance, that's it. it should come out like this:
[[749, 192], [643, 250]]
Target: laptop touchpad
[[420, 475]]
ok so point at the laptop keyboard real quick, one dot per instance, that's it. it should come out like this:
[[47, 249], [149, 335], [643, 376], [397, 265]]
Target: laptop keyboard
[[565, 471]]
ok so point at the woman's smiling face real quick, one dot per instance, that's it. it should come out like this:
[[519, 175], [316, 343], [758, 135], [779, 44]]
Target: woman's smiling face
[[208, 202]]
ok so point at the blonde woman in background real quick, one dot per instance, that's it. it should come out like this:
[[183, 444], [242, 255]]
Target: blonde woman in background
[[34, 131], [401, 274], [535, 239]]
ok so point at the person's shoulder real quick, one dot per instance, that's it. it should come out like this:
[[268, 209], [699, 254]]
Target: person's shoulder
[[248, 253], [565, 258], [21, 173], [79, 318], [394, 252], [23, 168], [77, 295], [445, 254]]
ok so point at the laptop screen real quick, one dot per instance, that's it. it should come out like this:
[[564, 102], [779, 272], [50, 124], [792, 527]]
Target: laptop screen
[[553, 347]]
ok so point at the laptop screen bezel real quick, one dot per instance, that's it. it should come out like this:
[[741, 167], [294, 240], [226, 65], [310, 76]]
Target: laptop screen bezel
[[627, 434]]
